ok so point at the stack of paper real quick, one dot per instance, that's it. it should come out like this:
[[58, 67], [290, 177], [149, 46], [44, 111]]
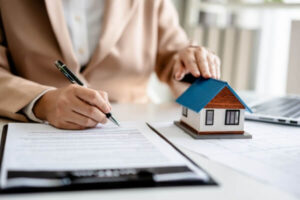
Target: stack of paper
[[272, 156]]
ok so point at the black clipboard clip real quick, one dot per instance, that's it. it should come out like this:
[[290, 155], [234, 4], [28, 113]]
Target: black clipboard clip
[[106, 175], [79, 177]]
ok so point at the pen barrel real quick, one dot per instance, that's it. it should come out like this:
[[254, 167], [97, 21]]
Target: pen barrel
[[73, 76]]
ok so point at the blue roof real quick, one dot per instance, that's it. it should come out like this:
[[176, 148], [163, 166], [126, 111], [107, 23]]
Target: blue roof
[[202, 91]]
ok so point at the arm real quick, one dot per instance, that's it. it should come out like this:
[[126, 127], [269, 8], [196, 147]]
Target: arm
[[15, 92], [176, 57], [70, 107]]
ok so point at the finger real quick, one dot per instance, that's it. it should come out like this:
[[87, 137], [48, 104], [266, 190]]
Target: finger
[[180, 70], [105, 97], [68, 126], [202, 63], [81, 120], [218, 66], [92, 97], [190, 63], [211, 66], [87, 110]]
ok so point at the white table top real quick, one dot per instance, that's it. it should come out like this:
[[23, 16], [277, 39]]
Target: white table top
[[232, 185]]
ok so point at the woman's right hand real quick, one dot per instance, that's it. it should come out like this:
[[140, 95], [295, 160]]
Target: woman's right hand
[[73, 107]]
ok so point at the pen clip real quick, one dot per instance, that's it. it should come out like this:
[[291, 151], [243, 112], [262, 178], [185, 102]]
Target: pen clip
[[69, 77]]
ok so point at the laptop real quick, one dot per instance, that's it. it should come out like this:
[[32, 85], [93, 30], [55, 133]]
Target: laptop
[[282, 110]]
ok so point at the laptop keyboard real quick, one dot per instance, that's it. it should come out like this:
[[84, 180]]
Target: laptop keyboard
[[282, 107]]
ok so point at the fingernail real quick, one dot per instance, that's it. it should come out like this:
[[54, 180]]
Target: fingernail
[[207, 75], [181, 76], [105, 109], [178, 77]]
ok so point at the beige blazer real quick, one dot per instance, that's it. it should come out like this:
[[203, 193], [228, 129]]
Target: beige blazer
[[138, 37]]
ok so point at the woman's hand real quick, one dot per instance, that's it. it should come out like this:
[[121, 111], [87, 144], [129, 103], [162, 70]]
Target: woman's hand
[[73, 107], [198, 61]]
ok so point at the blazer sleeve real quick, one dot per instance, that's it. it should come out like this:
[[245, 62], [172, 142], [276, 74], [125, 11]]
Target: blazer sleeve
[[171, 39], [15, 92]]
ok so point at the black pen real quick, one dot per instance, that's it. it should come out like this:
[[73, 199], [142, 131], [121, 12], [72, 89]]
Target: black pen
[[74, 80]]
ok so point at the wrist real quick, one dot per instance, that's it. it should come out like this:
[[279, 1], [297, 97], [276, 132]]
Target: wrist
[[40, 107]]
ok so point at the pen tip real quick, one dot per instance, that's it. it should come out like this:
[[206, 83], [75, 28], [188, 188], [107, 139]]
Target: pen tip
[[114, 121]]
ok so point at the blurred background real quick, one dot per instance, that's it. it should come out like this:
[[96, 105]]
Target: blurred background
[[258, 42]]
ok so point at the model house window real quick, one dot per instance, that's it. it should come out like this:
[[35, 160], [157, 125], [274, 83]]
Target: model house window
[[184, 111], [232, 117], [209, 120]]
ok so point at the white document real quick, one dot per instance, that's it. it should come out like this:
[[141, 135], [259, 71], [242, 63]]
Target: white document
[[34, 147], [272, 156]]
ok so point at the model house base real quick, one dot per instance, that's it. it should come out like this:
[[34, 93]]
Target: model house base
[[217, 135]]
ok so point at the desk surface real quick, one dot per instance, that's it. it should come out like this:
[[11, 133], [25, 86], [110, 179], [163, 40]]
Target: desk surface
[[233, 185]]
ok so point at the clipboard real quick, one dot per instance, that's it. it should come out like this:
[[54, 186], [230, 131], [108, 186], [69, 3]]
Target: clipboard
[[104, 178]]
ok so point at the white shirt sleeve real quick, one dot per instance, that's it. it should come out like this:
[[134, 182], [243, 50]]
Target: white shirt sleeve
[[28, 110]]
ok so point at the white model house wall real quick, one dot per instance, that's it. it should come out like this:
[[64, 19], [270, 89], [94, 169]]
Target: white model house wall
[[192, 119], [219, 121], [197, 120]]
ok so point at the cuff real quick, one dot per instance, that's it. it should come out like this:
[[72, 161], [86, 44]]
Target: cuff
[[28, 110]]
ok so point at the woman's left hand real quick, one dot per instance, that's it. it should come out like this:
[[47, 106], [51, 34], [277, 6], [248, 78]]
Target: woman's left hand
[[198, 61]]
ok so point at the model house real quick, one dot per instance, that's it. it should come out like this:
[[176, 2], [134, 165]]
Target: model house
[[211, 106]]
